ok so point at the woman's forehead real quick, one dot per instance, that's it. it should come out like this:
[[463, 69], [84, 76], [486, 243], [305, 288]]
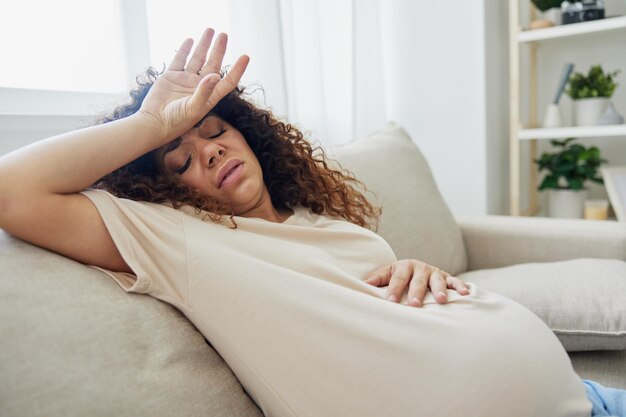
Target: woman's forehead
[[209, 119]]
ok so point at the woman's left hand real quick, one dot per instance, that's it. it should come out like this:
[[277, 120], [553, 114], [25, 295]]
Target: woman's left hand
[[419, 276]]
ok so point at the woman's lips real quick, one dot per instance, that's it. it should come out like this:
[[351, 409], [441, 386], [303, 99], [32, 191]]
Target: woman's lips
[[232, 176]]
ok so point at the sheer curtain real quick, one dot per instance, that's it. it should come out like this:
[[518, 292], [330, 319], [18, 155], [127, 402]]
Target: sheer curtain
[[319, 63]]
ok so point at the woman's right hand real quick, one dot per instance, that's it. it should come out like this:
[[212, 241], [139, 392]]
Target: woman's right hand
[[183, 94]]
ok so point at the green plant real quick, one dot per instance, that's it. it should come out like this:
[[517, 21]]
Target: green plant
[[544, 5], [570, 166], [595, 84]]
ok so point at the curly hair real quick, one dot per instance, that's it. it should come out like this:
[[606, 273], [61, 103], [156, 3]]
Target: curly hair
[[292, 171]]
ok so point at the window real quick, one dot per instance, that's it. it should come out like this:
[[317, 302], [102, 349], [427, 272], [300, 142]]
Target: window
[[68, 45]]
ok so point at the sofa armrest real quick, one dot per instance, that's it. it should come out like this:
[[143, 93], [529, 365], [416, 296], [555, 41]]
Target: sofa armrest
[[497, 241]]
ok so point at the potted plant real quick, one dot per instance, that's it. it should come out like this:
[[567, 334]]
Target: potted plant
[[550, 10], [591, 94], [567, 171]]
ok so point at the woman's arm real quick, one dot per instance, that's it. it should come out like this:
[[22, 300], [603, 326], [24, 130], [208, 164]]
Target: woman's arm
[[39, 184], [70, 162]]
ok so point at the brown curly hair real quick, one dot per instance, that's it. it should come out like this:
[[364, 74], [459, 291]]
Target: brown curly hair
[[292, 172]]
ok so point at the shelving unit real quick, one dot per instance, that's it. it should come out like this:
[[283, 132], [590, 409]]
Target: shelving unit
[[572, 131], [530, 131], [563, 31]]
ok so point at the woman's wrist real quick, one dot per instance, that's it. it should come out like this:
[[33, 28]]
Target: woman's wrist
[[153, 127]]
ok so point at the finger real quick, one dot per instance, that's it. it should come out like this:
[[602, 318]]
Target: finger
[[418, 287], [180, 59], [202, 94], [199, 54], [214, 64], [234, 74], [379, 277], [458, 284], [229, 82], [400, 276], [438, 286]]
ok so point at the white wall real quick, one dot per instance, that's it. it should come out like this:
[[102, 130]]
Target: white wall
[[445, 85], [27, 116], [19, 131], [497, 105], [369, 88]]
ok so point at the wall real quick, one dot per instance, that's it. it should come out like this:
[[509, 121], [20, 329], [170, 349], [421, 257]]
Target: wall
[[445, 83], [19, 131], [497, 105], [30, 115]]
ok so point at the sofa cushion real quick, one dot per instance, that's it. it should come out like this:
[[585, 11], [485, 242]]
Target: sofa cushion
[[75, 344], [607, 367], [416, 221], [582, 300]]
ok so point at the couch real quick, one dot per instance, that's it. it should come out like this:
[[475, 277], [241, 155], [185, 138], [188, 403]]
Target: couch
[[75, 344]]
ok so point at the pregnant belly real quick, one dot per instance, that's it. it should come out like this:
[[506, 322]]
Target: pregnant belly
[[313, 350]]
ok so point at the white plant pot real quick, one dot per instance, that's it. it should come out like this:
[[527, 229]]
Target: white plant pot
[[569, 204], [587, 111]]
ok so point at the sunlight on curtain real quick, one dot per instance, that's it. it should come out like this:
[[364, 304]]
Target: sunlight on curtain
[[319, 61], [169, 23], [256, 31], [66, 45], [252, 29], [301, 54], [317, 64], [334, 66], [317, 39]]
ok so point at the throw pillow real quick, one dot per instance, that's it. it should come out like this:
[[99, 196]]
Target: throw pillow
[[582, 300]]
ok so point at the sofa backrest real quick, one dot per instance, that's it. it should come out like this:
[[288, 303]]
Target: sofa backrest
[[75, 344], [416, 221]]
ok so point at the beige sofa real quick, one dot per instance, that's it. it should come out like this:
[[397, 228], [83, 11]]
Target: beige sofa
[[74, 344]]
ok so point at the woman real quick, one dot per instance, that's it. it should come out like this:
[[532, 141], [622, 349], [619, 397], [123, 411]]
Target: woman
[[293, 296]]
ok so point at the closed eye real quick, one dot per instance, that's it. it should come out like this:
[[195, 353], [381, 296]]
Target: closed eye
[[187, 163], [185, 166], [217, 135]]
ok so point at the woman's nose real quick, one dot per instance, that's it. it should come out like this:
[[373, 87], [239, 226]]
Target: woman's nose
[[212, 153]]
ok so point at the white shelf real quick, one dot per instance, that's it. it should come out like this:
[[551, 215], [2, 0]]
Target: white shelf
[[573, 131], [574, 29]]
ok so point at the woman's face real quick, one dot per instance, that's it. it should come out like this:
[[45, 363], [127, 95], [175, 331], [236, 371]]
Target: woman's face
[[201, 157]]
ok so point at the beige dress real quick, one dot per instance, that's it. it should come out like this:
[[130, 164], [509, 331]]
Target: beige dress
[[285, 306]]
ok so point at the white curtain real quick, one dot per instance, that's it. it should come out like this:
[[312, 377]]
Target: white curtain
[[319, 62]]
